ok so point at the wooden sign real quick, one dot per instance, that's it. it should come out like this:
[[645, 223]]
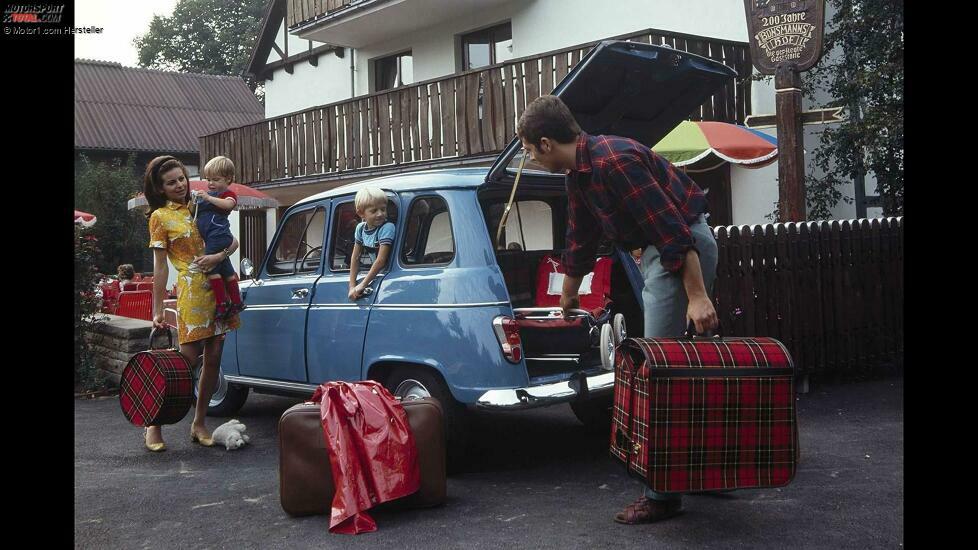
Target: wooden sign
[[785, 32], [815, 116]]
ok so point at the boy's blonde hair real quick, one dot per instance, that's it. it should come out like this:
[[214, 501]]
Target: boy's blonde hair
[[219, 167], [369, 196]]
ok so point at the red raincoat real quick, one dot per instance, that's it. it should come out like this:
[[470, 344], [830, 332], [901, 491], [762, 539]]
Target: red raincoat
[[371, 451]]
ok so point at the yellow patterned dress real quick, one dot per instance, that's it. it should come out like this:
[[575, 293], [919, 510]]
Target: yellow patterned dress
[[173, 229]]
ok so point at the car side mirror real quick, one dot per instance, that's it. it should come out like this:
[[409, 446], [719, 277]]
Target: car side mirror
[[247, 268]]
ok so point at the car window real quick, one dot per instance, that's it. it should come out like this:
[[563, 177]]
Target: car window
[[300, 243], [428, 236], [530, 225], [345, 223]]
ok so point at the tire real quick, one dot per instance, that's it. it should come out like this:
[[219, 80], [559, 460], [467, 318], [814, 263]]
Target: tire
[[227, 398], [607, 348], [618, 326], [414, 382], [595, 414]]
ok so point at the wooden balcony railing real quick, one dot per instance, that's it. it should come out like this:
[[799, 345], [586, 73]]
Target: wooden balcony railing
[[300, 11], [461, 115]]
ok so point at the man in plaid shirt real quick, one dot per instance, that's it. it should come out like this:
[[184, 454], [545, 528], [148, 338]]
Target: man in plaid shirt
[[619, 188]]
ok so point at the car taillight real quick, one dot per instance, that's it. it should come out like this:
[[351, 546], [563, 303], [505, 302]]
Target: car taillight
[[508, 334]]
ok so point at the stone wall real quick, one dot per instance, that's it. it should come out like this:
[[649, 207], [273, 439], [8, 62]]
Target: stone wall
[[117, 339]]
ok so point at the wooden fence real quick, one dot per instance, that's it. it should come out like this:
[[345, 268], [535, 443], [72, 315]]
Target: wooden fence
[[831, 291], [471, 113]]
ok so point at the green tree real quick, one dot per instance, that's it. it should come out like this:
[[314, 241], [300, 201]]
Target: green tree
[[863, 71], [103, 189], [203, 36]]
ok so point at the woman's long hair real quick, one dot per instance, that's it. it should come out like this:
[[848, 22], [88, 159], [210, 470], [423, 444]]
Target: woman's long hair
[[153, 181]]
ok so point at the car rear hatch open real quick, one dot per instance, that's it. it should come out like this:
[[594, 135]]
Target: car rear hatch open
[[626, 89]]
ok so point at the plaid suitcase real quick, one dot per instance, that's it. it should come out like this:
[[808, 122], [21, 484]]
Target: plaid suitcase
[[306, 478], [705, 414], [156, 386]]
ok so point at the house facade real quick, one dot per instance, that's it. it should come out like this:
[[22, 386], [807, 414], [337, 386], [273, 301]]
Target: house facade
[[360, 88]]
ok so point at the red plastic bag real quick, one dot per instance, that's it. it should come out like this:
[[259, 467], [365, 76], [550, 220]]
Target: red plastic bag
[[371, 450]]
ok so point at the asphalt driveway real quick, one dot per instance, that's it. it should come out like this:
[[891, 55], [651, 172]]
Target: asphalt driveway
[[532, 480]]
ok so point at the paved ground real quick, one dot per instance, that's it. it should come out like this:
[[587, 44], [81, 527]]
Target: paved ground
[[535, 480]]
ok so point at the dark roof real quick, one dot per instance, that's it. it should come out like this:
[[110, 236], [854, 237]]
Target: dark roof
[[135, 109], [270, 25]]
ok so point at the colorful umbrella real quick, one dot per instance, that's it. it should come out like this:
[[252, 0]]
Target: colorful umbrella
[[701, 146], [84, 219], [247, 197]]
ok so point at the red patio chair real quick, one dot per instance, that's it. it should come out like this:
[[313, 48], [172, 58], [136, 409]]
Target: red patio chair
[[137, 304], [143, 285], [110, 296], [130, 286]]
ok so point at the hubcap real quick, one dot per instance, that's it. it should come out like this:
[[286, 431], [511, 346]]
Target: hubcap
[[220, 390], [411, 389]]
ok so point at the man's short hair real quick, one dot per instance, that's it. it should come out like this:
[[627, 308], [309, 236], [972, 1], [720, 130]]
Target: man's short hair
[[219, 167], [547, 116], [369, 196]]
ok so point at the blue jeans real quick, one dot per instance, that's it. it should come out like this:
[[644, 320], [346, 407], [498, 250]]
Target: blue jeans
[[664, 296]]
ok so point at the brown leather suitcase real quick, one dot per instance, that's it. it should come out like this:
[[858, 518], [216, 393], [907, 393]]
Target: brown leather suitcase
[[305, 478]]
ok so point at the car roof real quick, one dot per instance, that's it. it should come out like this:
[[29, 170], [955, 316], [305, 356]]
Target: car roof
[[411, 181]]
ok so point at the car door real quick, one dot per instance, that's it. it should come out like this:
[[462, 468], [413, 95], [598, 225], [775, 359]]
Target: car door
[[337, 326], [271, 340]]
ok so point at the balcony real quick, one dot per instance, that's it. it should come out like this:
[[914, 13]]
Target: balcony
[[459, 119], [356, 23]]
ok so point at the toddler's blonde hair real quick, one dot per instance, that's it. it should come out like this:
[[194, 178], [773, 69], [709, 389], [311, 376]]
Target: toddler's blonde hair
[[219, 167], [369, 196]]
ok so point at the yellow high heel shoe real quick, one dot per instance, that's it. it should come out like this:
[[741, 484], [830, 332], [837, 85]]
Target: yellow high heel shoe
[[202, 441], [152, 447]]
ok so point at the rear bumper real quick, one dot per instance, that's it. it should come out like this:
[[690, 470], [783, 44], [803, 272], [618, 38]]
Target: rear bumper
[[547, 394]]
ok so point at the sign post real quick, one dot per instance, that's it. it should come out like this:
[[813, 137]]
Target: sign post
[[786, 39]]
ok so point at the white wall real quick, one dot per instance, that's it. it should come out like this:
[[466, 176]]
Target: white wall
[[308, 86]]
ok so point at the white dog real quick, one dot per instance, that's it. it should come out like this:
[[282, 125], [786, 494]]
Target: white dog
[[231, 434]]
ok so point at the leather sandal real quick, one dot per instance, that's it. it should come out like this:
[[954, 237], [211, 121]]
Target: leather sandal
[[646, 510]]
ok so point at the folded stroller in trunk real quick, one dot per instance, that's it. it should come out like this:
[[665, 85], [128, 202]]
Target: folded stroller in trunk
[[545, 331]]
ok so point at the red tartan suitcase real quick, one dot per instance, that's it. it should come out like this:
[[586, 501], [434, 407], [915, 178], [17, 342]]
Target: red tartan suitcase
[[705, 414], [306, 479], [157, 386]]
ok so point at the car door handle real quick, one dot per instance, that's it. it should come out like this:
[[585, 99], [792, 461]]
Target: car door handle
[[299, 293]]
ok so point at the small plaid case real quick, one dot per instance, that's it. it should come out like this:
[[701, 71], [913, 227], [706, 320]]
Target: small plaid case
[[156, 387], [705, 414]]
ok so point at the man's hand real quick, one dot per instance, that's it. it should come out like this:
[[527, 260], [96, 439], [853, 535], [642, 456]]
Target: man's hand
[[569, 302], [702, 313]]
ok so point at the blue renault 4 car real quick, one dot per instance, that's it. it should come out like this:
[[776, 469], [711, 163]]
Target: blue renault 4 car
[[439, 321]]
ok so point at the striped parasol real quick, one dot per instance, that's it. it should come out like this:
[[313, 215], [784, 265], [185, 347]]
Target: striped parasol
[[248, 198], [701, 146], [85, 219]]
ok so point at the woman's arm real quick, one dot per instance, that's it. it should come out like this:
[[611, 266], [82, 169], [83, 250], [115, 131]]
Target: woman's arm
[[208, 262], [161, 272]]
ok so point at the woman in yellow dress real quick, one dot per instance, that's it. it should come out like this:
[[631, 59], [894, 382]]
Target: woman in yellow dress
[[173, 234]]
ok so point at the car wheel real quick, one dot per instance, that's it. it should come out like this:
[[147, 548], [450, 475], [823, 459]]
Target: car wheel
[[595, 414], [415, 383], [227, 398]]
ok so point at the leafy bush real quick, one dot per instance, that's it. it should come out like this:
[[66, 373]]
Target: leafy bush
[[87, 304]]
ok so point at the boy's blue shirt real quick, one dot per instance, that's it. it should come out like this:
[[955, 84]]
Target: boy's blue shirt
[[371, 239]]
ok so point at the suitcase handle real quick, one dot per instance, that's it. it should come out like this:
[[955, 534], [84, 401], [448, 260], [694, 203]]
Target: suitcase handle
[[169, 338], [690, 332]]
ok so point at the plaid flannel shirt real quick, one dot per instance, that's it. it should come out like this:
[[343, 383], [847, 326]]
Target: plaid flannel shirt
[[621, 189]]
